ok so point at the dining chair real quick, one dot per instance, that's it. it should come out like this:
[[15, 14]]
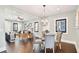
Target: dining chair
[[49, 42], [58, 39]]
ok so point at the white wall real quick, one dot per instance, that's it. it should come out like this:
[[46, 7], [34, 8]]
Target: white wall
[[2, 30], [38, 34], [71, 17], [72, 32], [9, 26], [10, 13], [2, 35]]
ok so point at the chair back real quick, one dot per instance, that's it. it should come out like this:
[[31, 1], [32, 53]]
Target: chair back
[[49, 41], [58, 36]]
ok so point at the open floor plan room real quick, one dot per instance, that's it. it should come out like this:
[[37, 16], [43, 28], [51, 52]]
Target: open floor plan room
[[39, 28]]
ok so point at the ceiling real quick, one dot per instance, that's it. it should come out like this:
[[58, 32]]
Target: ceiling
[[38, 10]]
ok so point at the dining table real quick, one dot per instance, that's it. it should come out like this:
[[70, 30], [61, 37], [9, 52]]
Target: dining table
[[24, 36]]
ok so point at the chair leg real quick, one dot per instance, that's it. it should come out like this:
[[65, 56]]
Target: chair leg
[[60, 46], [53, 50], [45, 50]]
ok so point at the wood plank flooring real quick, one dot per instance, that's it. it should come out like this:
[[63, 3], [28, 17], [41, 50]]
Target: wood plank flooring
[[66, 48], [26, 47], [19, 46]]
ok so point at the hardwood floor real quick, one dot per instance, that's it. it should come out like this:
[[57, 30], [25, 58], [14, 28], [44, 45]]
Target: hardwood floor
[[21, 46], [66, 48]]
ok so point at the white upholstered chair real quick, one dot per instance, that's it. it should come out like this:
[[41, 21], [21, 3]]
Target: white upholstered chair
[[37, 45], [49, 42]]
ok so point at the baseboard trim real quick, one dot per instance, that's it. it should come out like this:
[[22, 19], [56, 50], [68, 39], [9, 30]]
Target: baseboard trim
[[72, 42]]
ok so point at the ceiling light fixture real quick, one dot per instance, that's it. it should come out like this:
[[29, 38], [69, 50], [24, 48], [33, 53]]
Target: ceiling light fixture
[[44, 10], [44, 20], [20, 17]]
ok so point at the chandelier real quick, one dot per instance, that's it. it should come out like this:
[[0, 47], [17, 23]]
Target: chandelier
[[44, 11], [44, 20]]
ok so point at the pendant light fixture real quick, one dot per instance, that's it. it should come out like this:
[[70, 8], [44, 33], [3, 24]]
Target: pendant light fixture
[[44, 20], [44, 10]]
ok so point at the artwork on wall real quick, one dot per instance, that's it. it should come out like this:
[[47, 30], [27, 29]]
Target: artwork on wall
[[15, 27], [36, 26], [27, 26], [61, 25]]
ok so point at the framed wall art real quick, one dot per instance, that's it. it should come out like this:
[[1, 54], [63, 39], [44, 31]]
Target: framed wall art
[[61, 25], [36, 26], [15, 27]]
